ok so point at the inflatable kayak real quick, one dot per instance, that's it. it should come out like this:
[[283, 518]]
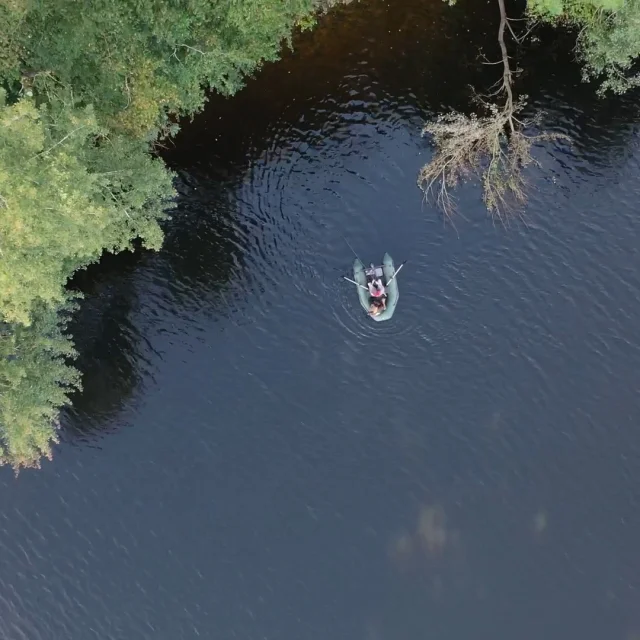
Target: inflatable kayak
[[362, 275]]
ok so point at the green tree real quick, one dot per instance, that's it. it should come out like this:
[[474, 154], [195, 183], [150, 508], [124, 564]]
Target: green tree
[[11, 14], [609, 37], [141, 61], [70, 190], [35, 381]]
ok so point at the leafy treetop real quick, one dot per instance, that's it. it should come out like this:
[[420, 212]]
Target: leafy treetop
[[137, 61]]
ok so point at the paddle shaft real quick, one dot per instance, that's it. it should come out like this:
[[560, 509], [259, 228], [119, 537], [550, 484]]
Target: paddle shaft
[[356, 283], [396, 272]]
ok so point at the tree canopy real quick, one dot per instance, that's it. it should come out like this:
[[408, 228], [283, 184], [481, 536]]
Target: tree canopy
[[70, 190], [139, 62], [35, 382]]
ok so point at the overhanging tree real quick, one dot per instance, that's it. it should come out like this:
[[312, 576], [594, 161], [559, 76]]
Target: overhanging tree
[[495, 146]]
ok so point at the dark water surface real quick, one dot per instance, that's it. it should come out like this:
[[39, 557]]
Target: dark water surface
[[252, 458]]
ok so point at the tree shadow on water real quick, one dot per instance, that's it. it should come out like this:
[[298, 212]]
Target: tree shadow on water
[[363, 63], [601, 128], [203, 255], [130, 297], [106, 343]]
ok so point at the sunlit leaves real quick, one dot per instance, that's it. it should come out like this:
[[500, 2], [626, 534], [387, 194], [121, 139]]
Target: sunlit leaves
[[69, 191], [12, 13], [557, 8], [35, 382]]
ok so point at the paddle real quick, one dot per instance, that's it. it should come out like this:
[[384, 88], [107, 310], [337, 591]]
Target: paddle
[[396, 272], [356, 283]]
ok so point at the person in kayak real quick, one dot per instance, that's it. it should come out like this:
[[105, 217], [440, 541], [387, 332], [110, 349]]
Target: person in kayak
[[376, 288], [378, 305]]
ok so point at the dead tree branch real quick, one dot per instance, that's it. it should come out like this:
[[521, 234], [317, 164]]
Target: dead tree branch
[[494, 146], [506, 69]]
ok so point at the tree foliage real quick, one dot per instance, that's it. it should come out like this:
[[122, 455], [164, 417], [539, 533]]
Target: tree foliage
[[493, 146], [139, 61], [608, 41], [35, 381], [70, 190], [88, 88], [11, 14]]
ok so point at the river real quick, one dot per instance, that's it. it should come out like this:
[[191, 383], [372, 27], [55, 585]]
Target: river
[[253, 458]]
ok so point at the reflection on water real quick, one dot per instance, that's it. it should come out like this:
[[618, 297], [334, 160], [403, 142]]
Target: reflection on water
[[431, 536], [289, 469], [540, 522], [106, 341], [432, 528]]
